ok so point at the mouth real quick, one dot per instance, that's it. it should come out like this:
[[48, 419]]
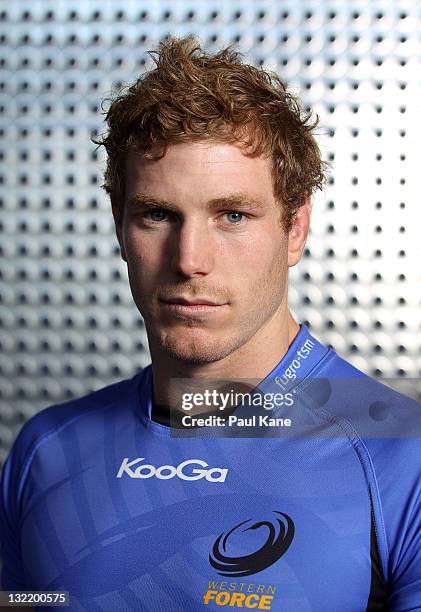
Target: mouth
[[195, 302], [197, 306]]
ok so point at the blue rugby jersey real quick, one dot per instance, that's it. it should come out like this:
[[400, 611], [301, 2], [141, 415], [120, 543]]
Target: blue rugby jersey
[[99, 500]]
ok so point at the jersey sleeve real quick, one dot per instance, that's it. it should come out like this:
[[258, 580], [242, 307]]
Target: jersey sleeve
[[12, 573], [405, 579]]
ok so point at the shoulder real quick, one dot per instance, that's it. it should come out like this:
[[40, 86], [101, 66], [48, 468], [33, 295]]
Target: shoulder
[[387, 422], [56, 417], [383, 425], [371, 406]]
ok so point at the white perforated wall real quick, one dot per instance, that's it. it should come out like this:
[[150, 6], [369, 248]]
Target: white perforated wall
[[68, 321]]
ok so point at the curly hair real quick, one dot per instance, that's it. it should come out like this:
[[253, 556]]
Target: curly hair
[[193, 95]]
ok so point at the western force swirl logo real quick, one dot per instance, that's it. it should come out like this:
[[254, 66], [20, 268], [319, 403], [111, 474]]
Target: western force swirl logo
[[280, 535]]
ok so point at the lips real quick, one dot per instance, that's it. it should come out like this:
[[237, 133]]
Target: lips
[[195, 302], [197, 308]]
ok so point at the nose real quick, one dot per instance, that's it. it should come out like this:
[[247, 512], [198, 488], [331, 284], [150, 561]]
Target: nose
[[192, 248]]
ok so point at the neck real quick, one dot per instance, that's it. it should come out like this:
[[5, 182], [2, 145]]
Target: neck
[[248, 362]]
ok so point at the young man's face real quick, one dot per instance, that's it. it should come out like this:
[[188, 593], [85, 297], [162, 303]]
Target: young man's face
[[205, 226]]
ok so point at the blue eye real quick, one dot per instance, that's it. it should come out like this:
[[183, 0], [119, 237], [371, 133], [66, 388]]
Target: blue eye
[[235, 216], [157, 212]]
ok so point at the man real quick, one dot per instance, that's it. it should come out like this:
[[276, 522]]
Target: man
[[145, 495]]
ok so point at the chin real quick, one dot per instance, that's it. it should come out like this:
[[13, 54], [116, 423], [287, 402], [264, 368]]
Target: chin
[[195, 350]]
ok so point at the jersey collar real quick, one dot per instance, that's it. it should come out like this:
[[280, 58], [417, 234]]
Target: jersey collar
[[303, 356]]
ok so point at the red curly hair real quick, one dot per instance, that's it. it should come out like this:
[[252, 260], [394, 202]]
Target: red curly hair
[[193, 95]]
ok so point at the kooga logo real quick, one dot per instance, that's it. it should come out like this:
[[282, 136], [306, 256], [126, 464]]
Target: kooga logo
[[185, 470]]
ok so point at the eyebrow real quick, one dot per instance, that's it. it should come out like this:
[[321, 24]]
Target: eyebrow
[[234, 200]]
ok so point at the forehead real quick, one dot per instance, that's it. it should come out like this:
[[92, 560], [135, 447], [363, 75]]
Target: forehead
[[204, 165]]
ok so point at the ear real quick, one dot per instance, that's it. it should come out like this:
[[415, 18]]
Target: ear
[[297, 236], [117, 207]]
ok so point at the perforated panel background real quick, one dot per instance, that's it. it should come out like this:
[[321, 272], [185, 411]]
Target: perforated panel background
[[68, 321]]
